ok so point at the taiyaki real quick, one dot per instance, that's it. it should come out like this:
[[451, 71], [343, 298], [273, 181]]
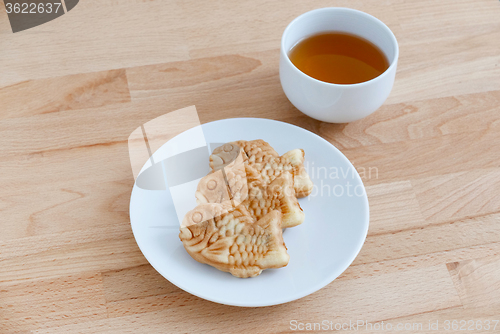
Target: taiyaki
[[278, 195], [234, 241], [204, 212], [261, 156], [220, 186], [259, 198], [245, 185], [213, 188], [242, 206]]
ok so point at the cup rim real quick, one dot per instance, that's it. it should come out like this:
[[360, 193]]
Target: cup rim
[[312, 12]]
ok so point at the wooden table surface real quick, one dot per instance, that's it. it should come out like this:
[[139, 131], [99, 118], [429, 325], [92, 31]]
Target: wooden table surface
[[73, 89]]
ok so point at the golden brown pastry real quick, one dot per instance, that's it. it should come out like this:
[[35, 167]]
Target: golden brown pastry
[[234, 241], [261, 156], [229, 183], [252, 192], [243, 204], [213, 189], [278, 195], [204, 212]]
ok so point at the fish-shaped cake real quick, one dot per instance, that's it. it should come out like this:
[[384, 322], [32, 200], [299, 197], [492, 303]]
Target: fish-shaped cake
[[261, 156], [260, 198], [228, 183], [278, 195], [242, 206], [234, 241]]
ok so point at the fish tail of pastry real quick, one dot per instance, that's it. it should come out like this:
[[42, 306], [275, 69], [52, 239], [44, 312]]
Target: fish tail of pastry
[[302, 182], [277, 255], [283, 189]]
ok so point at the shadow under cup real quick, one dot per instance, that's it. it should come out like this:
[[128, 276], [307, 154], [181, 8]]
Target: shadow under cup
[[337, 103]]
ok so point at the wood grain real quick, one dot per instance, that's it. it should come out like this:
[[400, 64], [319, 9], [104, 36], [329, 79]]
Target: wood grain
[[393, 207], [180, 307], [430, 156], [342, 291], [112, 250], [59, 301], [72, 91], [459, 195], [118, 35], [477, 282], [446, 49], [419, 120], [420, 323], [431, 239], [77, 91]]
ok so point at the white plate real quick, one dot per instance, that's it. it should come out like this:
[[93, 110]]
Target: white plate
[[320, 249]]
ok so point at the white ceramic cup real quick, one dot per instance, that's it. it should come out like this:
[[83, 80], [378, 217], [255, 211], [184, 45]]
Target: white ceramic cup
[[337, 103]]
